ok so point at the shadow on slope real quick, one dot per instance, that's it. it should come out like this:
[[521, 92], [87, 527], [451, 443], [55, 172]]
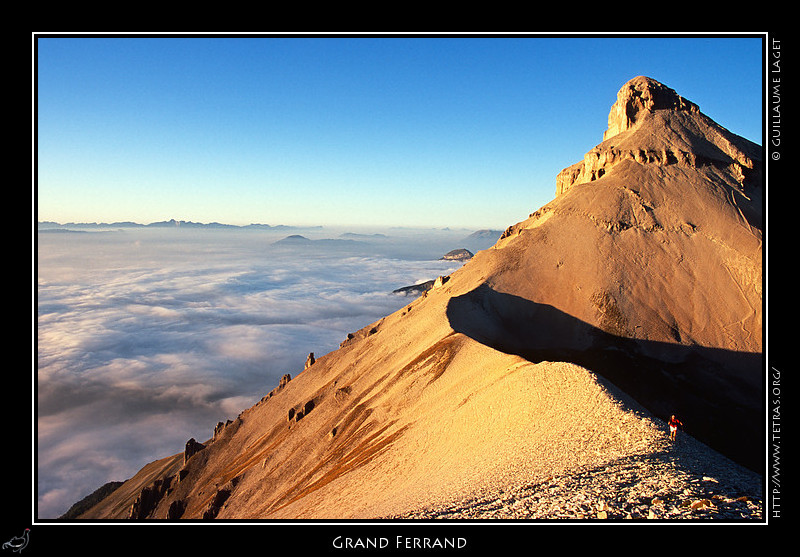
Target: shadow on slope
[[716, 393]]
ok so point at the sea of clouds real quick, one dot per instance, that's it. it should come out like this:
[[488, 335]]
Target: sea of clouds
[[146, 338]]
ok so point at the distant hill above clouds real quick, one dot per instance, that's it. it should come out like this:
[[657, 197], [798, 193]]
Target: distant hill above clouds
[[296, 240], [360, 236], [460, 254], [481, 239]]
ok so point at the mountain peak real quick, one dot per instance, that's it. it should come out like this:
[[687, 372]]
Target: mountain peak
[[651, 124], [634, 295], [639, 97]]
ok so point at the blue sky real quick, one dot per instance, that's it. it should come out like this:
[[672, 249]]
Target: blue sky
[[388, 131]]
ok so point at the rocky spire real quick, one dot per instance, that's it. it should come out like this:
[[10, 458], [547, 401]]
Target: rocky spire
[[638, 97]]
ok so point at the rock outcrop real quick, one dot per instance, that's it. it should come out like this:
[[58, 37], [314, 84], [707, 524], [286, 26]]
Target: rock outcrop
[[220, 428], [191, 449], [440, 281], [283, 382], [218, 501], [150, 497]]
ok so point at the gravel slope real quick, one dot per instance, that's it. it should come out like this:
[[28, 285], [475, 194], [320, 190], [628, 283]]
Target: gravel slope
[[681, 480]]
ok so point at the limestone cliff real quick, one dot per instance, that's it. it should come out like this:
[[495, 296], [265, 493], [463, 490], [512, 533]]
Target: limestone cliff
[[673, 133]]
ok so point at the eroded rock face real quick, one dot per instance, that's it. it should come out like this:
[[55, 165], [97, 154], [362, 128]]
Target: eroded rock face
[[149, 498], [176, 509], [638, 97], [677, 134], [219, 499], [297, 413]]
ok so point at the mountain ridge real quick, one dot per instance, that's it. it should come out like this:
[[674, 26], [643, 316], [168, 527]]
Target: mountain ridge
[[565, 345], [171, 223]]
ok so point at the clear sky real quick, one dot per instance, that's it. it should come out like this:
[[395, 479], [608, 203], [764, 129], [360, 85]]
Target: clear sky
[[432, 131]]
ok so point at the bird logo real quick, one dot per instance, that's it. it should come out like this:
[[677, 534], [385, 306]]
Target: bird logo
[[18, 543]]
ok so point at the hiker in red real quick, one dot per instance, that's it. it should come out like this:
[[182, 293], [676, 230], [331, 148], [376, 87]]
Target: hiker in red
[[674, 424]]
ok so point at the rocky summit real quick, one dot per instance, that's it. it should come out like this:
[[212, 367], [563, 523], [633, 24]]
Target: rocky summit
[[535, 381]]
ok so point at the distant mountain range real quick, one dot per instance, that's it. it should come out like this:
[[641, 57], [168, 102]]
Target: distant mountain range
[[172, 223], [485, 237], [474, 242]]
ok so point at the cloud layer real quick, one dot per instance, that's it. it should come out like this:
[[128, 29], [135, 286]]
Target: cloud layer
[[148, 338]]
